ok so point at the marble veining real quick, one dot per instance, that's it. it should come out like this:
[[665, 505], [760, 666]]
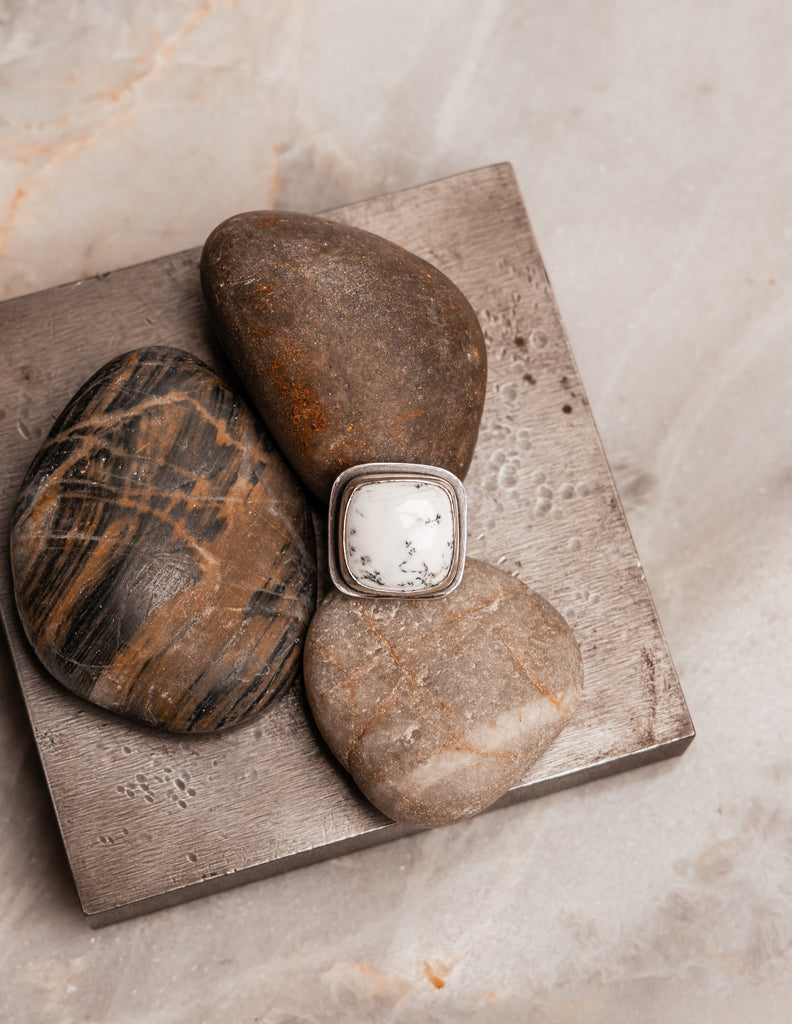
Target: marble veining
[[652, 148]]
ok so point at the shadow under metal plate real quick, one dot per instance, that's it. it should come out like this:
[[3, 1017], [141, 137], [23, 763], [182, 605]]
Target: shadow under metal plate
[[150, 819]]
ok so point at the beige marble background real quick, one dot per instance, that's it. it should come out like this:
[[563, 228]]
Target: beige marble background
[[653, 144]]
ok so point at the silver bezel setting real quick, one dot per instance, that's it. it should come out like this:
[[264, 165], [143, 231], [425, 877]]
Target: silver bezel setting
[[371, 472]]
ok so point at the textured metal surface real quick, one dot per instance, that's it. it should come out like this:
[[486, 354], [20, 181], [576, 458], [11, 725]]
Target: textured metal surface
[[151, 819]]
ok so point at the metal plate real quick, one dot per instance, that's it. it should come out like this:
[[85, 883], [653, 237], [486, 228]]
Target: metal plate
[[151, 819]]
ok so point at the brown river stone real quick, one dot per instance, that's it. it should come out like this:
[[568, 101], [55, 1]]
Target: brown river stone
[[162, 551], [438, 707], [353, 349]]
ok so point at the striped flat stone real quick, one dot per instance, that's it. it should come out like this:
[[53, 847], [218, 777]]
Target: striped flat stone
[[162, 550]]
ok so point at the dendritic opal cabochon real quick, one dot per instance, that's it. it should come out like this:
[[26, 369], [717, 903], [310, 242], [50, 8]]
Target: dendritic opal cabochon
[[399, 535]]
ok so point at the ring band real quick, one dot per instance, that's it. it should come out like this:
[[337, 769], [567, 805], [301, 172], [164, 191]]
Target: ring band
[[397, 529]]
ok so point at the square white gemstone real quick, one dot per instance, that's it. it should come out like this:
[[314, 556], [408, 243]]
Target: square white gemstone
[[399, 535]]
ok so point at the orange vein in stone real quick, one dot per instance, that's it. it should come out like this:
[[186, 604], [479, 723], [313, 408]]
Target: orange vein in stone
[[398, 687], [356, 742], [98, 420], [387, 644], [529, 677], [346, 681], [477, 608], [488, 753], [403, 667]]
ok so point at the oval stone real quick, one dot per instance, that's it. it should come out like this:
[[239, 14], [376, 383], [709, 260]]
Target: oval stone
[[353, 349], [438, 707], [162, 551]]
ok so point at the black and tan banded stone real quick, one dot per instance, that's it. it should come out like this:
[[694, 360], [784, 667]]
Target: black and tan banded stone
[[162, 550]]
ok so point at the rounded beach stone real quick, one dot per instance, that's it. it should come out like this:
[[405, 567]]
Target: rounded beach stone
[[353, 349], [162, 551], [438, 707]]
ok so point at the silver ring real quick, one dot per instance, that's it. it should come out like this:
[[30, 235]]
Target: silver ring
[[396, 529]]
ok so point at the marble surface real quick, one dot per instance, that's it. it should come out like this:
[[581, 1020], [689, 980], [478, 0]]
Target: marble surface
[[652, 145]]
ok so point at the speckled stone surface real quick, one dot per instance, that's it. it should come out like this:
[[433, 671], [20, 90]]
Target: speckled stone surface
[[162, 551], [438, 707], [353, 349], [400, 535]]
